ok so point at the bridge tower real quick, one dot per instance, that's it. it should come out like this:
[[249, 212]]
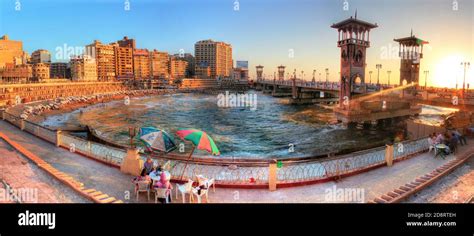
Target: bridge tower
[[411, 53], [259, 72], [353, 39], [281, 72]]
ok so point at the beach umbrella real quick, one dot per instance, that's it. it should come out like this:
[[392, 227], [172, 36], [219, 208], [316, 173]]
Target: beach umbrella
[[200, 139], [156, 139]]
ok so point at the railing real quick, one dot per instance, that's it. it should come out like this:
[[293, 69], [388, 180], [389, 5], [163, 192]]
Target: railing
[[407, 148], [32, 128], [290, 171], [101, 152]]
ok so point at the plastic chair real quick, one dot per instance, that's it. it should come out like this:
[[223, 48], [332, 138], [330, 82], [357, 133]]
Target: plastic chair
[[162, 193], [199, 196], [185, 189], [142, 186]]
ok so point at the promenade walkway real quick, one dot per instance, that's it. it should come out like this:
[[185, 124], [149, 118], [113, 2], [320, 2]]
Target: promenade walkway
[[30, 183], [111, 181]]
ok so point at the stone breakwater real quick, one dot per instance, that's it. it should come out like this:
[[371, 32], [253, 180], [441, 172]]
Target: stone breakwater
[[37, 111]]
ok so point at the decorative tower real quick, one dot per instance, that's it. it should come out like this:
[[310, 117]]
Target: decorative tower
[[353, 39], [281, 73], [259, 72], [410, 52]]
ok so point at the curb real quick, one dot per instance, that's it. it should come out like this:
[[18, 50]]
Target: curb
[[91, 194]]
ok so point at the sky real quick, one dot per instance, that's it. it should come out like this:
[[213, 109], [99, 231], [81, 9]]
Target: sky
[[294, 33]]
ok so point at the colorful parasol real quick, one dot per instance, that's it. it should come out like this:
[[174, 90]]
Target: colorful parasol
[[156, 139], [200, 140]]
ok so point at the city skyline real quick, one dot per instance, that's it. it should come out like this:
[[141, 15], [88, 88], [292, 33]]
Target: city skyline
[[283, 29]]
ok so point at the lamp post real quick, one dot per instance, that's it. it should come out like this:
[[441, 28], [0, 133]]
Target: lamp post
[[466, 66], [314, 79], [132, 132], [389, 72], [426, 78], [370, 77], [327, 75], [378, 66]]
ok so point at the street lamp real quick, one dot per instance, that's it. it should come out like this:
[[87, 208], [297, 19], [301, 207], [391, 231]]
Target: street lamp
[[370, 77], [466, 66], [132, 132], [426, 78], [389, 72], [378, 66], [314, 79], [327, 75]]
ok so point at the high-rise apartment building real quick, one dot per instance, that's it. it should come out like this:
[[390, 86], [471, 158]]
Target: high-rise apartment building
[[177, 68], [40, 56], [83, 68], [11, 52], [159, 64], [124, 61], [105, 59], [189, 58], [216, 55], [141, 64]]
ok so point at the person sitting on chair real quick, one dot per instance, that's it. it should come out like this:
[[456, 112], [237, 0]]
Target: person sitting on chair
[[148, 166]]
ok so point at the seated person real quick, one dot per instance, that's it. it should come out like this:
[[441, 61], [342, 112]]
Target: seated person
[[143, 176], [453, 142], [148, 166], [164, 182]]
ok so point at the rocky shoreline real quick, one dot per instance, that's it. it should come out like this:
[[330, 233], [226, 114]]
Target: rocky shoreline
[[37, 112]]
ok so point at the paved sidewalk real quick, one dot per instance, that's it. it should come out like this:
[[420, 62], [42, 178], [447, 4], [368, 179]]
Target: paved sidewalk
[[31, 183], [111, 181]]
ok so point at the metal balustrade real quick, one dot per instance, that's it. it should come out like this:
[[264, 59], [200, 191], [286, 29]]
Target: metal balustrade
[[235, 172]]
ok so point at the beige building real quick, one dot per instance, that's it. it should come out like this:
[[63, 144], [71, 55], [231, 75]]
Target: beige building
[[124, 61], [16, 73], [40, 71], [40, 56], [141, 64], [216, 55], [177, 68], [188, 57], [159, 64], [11, 52], [241, 74], [105, 59], [203, 72], [83, 68]]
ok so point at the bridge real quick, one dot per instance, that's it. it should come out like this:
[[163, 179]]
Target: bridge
[[304, 92]]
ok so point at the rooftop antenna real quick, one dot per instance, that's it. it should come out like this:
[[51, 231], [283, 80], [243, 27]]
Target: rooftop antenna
[[355, 14], [411, 33]]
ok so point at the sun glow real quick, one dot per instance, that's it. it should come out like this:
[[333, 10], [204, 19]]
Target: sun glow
[[448, 72]]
